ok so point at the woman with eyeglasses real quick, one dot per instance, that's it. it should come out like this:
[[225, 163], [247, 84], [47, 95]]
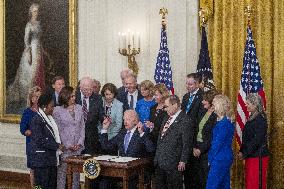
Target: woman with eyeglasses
[[45, 145], [254, 148], [113, 109]]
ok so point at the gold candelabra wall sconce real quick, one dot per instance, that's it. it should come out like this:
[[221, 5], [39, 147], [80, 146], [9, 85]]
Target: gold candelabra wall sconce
[[129, 46]]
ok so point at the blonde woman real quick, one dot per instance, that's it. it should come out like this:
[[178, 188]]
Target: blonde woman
[[157, 112], [144, 105], [220, 155], [28, 114]]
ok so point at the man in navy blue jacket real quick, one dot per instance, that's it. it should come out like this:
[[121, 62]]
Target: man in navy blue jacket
[[131, 141]]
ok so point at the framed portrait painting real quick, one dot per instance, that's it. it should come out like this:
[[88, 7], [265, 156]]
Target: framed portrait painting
[[39, 42]]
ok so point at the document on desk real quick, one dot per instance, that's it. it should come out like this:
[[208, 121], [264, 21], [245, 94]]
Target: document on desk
[[123, 159], [105, 157], [115, 158]]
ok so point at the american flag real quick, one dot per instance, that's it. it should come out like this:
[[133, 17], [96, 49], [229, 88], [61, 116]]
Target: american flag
[[204, 65], [163, 71], [251, 82]]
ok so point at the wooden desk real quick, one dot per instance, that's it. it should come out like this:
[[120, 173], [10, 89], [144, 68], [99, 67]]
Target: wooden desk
[[110, 169]]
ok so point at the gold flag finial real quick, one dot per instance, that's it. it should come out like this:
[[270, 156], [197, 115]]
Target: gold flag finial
[[248, 12], [163, 12], [203, 15]]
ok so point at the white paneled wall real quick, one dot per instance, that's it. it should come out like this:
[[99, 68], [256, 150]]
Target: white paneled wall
[[99, 24]]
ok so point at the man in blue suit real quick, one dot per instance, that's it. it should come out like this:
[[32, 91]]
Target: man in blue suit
[[130, 97], [122, 90], [130, 142]]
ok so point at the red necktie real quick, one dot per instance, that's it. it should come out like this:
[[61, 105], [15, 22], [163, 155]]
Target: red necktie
[[166, 126]]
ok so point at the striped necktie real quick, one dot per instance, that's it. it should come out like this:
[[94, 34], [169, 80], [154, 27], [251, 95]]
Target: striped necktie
[[166, 126], [85, 109]]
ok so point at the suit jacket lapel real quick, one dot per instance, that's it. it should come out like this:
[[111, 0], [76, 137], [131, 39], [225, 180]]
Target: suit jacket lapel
[[125, 101], [113, 108], [132, 140], [49, 128]]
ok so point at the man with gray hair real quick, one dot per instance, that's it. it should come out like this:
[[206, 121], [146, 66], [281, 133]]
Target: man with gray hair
[[174, 146], [132, 95], [122, 90], [130, 142], [97, 86], [93, 113]]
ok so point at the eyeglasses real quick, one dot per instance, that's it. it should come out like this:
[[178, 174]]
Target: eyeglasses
[[87, 90]]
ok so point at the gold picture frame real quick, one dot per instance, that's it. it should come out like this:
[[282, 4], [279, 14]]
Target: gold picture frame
[[56, 37]]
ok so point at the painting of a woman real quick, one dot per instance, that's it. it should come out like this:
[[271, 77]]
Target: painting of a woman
[[38, 45], [31, 68]]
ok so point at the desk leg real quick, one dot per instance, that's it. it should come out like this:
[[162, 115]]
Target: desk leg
[[69, 176], [125, 182], [141, 178]]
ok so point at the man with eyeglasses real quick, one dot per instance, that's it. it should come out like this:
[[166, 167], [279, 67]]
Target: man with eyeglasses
[[93, 113], [173, 146]]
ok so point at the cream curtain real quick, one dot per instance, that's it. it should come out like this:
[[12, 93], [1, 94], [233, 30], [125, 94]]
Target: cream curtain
[[227, 34]]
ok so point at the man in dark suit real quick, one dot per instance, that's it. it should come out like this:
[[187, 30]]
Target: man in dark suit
[[192, 106], [97, 86], [130, 142], [132, 95], [58, 83], [92, 107], [122, 90], [173, 146]]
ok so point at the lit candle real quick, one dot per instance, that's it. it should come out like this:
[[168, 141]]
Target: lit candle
[[124, 40], [128, 37], [132, 39], [119, 38], [139, 40]]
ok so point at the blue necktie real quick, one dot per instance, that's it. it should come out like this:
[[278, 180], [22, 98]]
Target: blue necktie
[[189, 103], [126, 140]]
